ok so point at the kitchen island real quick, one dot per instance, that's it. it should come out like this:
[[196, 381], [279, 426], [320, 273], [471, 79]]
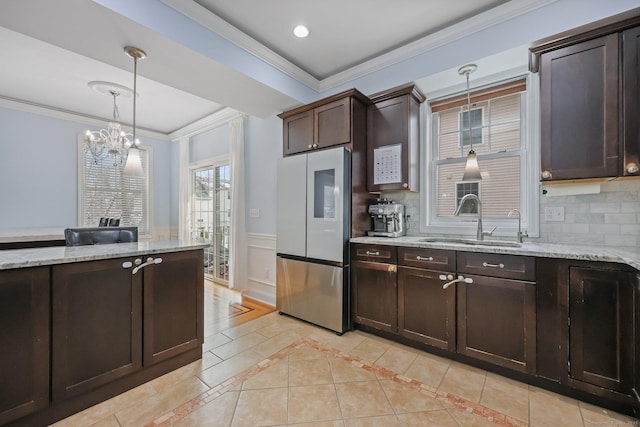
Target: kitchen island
[[83, 324], [561, 317]]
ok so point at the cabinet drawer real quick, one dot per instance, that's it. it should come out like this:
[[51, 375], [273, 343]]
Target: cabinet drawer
[[497, 265], [430, 259], [379, 253]]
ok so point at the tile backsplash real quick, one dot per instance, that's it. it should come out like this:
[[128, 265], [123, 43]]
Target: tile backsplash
[[610, 218]]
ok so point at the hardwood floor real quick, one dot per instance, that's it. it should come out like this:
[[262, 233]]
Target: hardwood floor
[[225, 308]]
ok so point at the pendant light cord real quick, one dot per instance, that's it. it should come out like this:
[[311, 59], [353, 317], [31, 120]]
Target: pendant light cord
[[468, 112], [135, 74]]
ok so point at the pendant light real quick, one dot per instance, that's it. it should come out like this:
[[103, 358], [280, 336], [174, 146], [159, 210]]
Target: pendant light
[[471, 169], [133, 166]]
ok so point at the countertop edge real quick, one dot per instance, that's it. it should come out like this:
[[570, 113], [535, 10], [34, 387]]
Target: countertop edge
[[543, 250], [36, 257]]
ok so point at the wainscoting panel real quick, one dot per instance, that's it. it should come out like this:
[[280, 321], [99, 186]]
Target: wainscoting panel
[[261, 252]]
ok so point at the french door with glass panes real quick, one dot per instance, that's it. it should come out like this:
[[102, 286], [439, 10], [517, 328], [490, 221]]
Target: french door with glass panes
[[211, 217]]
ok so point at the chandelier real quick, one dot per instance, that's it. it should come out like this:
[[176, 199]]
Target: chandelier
[[112, 142]]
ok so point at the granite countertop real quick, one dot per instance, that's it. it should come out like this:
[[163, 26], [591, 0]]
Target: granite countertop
[[19, 258], [32, 234], [630, 257]]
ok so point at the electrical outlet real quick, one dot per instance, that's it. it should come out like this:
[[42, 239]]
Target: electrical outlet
[[554, 213], [254, 213]]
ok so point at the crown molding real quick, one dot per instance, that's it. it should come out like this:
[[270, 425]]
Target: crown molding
[[209, 20], [58, 113], [212, 121], [213, 22], [455, 32]]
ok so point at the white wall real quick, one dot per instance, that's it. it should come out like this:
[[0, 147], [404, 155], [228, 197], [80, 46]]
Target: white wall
[[210, 144], [263, 148], [39, 176]]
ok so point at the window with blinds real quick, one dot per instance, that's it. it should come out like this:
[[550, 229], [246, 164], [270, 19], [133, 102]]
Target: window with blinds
[[105, 192], [497, 123]]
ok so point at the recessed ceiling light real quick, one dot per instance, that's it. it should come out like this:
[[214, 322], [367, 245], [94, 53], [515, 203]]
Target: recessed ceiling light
[[301, 31]]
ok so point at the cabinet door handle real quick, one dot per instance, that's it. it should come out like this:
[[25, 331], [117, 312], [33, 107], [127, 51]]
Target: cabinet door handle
[[127, 264], [546, 174], [632, 168], [446, 277], [373, 253], [150, 261], [486, 264], [459, 279], [429, 258], [310, 146]]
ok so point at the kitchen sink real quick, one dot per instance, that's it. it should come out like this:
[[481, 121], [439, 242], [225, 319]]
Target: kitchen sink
[[471, 241]]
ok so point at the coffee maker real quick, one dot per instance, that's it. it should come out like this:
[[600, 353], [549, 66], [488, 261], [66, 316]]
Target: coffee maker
[[387, 218]]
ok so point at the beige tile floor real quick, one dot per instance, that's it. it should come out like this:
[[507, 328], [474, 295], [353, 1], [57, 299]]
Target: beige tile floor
[[287, 372]]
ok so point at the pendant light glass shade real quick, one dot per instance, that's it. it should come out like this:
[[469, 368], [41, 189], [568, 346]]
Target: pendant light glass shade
[[471, 168], [133, 166]]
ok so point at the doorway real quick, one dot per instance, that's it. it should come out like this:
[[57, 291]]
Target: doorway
[[211, 217]]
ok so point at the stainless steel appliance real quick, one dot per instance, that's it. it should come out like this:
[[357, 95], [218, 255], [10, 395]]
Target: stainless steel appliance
[[388, 219], [312, 228]]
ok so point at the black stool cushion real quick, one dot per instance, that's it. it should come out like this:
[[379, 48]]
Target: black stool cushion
[[100, 235]]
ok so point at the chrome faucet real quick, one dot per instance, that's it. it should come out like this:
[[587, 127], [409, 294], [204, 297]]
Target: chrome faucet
[[520, 234], [479, 233]]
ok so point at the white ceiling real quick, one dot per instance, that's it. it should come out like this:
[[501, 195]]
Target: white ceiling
[[342, 34], [55, 52]]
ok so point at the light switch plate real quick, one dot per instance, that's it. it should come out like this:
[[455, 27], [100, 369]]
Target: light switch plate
[[554, 213]]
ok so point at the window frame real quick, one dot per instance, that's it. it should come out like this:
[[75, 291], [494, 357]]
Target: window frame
[[463, 132], [529, 161], [81, 188]]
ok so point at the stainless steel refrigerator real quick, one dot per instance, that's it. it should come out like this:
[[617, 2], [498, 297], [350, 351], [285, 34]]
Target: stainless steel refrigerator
[[312, 228]]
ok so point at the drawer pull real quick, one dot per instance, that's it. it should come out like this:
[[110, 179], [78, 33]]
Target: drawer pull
[[429, 258], [373, 253], [486, 264]]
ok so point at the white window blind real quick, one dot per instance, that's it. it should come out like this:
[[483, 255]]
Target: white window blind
[[497, 134], [104, 191]]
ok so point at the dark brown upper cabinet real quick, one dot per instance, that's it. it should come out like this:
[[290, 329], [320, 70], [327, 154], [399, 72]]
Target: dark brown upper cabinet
[[631, 101], [336, 120], [588, 100], [579, 110], [393, 139]]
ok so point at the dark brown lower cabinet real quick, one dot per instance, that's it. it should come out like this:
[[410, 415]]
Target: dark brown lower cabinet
[[601, 330], [97, 325], [173, 306], [24, 342], [375, 299], [426, 311], [497, 321]]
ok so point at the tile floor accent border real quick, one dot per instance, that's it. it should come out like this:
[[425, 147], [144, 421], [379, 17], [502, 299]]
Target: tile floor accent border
[[237, 309], [236, 381]]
